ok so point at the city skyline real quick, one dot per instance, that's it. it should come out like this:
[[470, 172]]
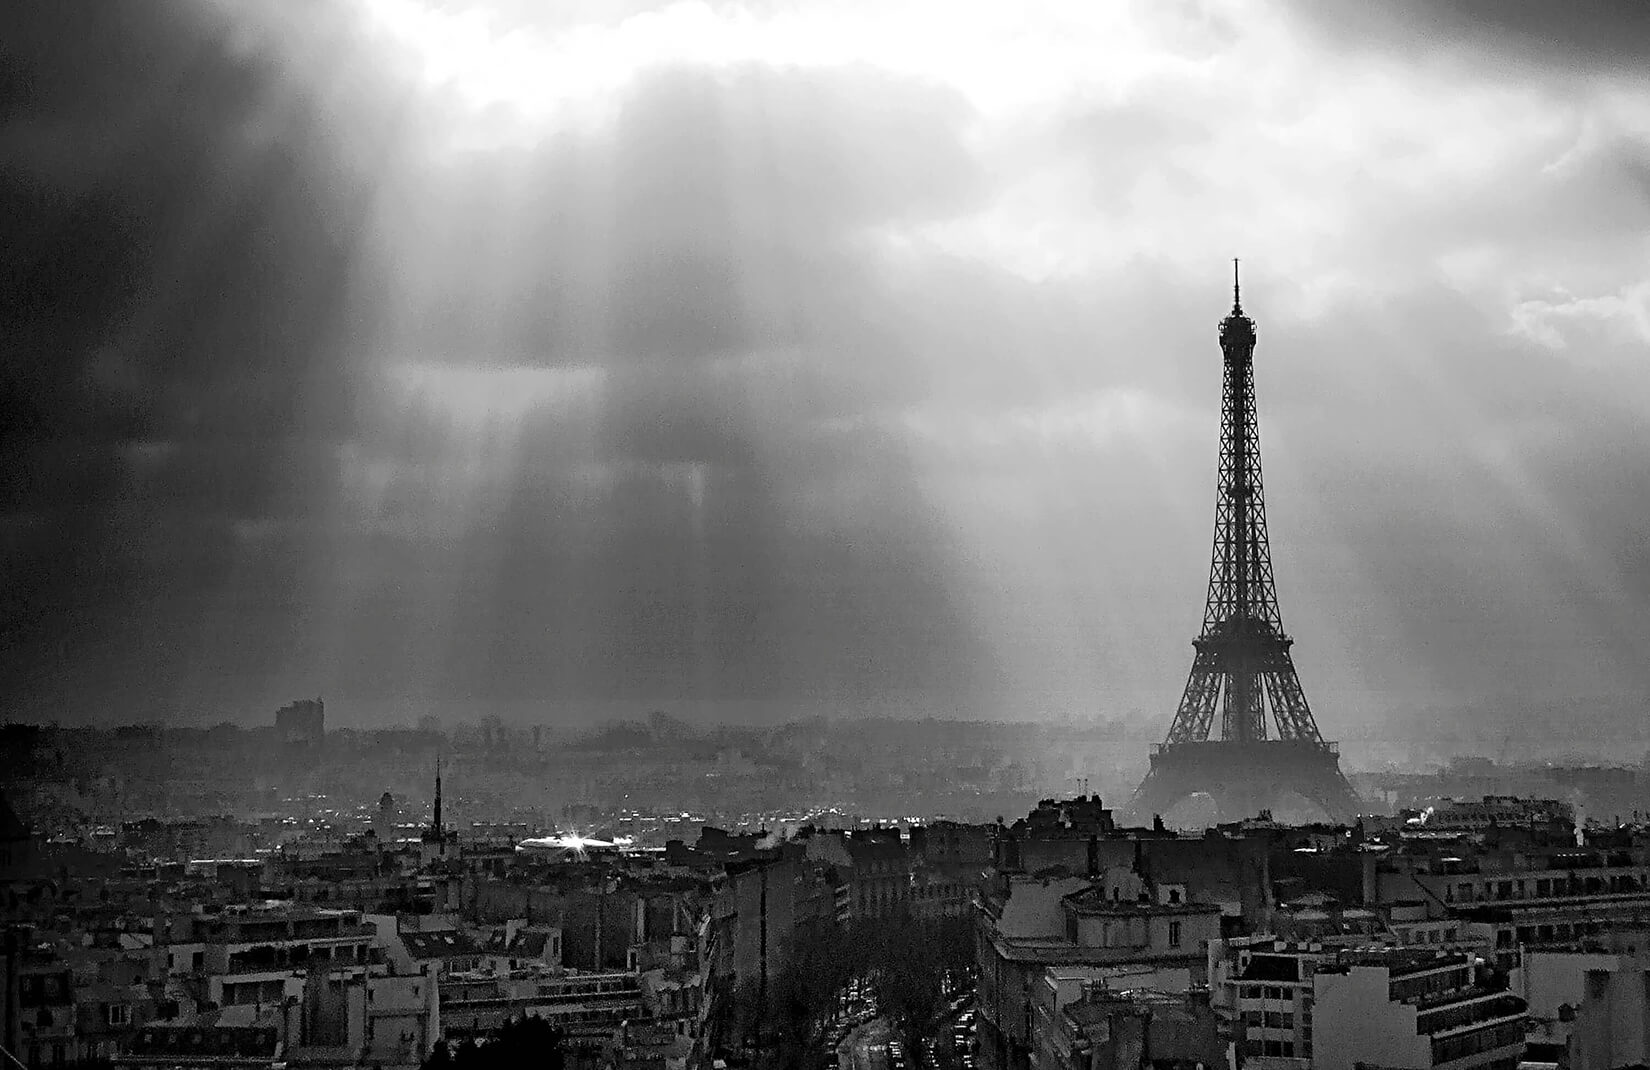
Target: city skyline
[[814, 359]]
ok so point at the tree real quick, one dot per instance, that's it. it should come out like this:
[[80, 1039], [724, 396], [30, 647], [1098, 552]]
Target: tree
[[526, 1043]]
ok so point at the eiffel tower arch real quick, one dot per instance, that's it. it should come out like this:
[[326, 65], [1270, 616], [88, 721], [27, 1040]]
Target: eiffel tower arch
[[1242, 668]]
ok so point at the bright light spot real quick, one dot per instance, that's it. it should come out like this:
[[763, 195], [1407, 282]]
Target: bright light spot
[[1000, 56]]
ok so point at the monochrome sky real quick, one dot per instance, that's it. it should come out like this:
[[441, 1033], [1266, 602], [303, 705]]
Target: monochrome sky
[[774, 358]]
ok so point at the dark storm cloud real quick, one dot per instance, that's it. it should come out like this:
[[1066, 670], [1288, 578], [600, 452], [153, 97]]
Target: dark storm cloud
[[176, 278], [1570, 38]]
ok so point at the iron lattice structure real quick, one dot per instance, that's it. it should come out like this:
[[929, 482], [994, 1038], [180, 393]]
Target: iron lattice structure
[[1242, 664]]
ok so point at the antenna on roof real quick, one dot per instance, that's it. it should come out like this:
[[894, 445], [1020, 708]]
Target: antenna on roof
[[1237, 301]]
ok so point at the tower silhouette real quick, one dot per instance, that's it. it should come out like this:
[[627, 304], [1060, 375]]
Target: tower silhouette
[[435, 819], [1242, 665]]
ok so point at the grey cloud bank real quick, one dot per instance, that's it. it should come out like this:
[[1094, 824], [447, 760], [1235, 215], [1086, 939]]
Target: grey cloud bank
[[818, 386]]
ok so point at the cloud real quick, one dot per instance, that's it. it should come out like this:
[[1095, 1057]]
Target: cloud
[[1590, 36], [811, 354], [180, 289]]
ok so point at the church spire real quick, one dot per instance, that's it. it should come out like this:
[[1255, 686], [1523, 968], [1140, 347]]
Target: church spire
[[435, 822]]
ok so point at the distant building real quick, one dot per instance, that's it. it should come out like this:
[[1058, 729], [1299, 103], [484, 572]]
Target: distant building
[[1027, 924], [1534, 895], [403, 1020], [18, 848], [880, 875], [650, 1046], [1499, 810], [1127, 1030], [953, 846], [1554, 981], [260, 956], [302, 723], [437, 953], [937, 893], [384, 822], [1408, 1009], [521, 946], [37, 1017], [761, 906], [1612, 1025], [588, 1006], [1263, 987], [162, 1047]]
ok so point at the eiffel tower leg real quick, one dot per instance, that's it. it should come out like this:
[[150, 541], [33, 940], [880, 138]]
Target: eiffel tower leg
[[1153, 798], [1243, 779], [1161, 791], [1335, 796]]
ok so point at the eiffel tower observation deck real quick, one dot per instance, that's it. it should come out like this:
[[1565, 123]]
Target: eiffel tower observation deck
[[1242, 668]]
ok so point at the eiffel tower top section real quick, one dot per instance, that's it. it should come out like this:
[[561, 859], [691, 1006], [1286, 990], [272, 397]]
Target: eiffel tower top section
[[1242, 666], [1237, 331]]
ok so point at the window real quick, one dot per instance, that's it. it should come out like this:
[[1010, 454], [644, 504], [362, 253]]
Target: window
[[118, 1014], [1174, 934]]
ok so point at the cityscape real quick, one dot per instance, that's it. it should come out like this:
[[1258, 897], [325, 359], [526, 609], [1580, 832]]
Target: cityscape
[[666, 536]]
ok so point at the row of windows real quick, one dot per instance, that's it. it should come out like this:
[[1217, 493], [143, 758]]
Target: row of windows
[[1430, 984], [1460, 1047], [581, 988], [37, 989], [1430, 936], [1545, 887], [1270, 1019], [1542, 934], [1463, 1014], [1267, 992]]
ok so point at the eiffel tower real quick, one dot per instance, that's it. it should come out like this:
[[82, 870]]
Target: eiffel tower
[[1242, 665]]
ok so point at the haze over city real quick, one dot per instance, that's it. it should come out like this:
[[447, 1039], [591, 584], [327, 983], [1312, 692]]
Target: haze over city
[[757, 361]]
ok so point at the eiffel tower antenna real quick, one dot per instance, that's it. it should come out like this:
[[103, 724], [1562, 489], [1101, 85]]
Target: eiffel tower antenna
[[1242, 667]]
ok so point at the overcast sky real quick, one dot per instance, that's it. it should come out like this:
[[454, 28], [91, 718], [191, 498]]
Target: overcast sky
[[774, 358]]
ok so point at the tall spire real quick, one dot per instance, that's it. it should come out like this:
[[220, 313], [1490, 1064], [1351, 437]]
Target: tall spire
[[435, 822], [1237, 300]]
